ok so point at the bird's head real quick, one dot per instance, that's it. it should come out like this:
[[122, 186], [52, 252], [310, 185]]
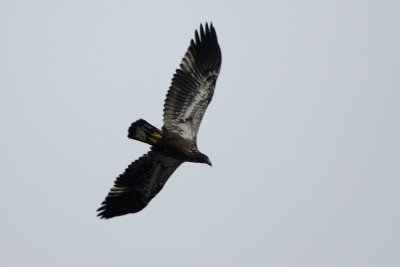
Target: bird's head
[[202, 158]]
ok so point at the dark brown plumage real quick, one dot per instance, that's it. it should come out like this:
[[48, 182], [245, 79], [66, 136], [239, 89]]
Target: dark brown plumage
[[187, 99]]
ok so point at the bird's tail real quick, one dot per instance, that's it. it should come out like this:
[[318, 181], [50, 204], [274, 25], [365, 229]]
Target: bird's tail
[[143, 131]]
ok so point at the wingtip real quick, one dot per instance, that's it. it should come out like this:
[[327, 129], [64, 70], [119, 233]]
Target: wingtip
[[205, 31], [101, 212], [103, 215], [208, 27]]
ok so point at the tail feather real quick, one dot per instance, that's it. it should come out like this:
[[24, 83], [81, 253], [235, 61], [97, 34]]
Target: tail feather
[[143, 131]]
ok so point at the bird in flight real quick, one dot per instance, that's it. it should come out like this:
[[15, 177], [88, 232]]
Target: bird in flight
[[188, 97]]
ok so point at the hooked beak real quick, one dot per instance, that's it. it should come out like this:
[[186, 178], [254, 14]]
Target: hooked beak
[[208, 162]]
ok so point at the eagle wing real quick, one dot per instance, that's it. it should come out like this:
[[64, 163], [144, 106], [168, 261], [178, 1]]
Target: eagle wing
[[193, 84], [140, 182]]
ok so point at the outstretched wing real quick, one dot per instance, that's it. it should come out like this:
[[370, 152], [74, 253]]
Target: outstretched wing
[[140, 182], [193, 84]]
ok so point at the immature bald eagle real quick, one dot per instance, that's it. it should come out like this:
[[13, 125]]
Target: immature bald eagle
[[187, 99]]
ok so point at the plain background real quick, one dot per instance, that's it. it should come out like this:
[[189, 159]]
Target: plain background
[[303, 133]]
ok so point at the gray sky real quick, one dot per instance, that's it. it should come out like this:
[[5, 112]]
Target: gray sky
[[303, 133]]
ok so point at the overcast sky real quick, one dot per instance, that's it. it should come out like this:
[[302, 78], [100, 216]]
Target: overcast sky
[[303, 133]]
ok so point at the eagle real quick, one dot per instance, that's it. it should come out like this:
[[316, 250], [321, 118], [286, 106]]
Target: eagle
[[187, 99]]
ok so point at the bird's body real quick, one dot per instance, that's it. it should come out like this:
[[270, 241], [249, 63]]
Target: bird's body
[[190, 93], [172, 144]]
